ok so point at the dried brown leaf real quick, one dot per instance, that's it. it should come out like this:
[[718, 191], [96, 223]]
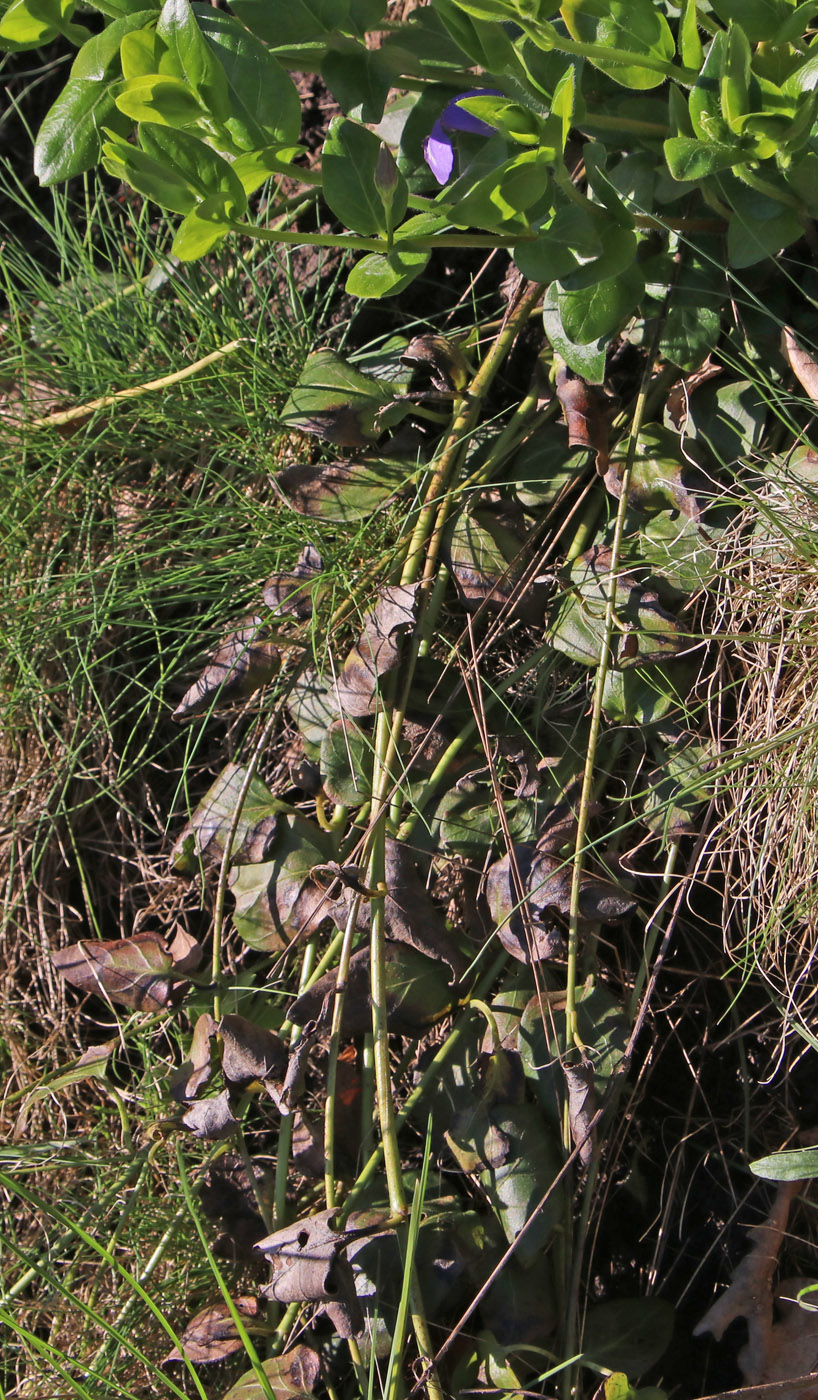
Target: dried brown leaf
[[442, 359], [802, 365], [750, 1292], [587, 415], [291, 1376], [679, 396], [186, 1082], [309, 1266], [243, 662], [293, 591], [212, 1119], [250, 1052], [212, 1334], [579, 1081], [136, 971], [549, 887], [526, 938], [377, 651]]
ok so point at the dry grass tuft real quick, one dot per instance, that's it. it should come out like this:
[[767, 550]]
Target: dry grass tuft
[[767, 835]]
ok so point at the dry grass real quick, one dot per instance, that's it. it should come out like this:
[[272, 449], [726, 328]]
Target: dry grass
[[768, 794]]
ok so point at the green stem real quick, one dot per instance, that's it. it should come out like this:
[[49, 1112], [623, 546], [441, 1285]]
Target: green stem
[[377, 245], [334, 1047], [285, 1130], [550, 40]]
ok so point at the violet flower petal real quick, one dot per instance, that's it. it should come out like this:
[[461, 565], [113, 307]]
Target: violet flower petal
[[438, 152], [454, 118]]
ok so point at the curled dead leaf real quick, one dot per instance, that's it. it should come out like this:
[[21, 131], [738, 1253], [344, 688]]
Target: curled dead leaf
[[137, 972], [586, 410], [441, 359], [212, 1334], [802, 365], [579, 1081], [309, 1265], [212, 1119], [186, 1082], [377, 651], [250, 1052], [243, 662], [294, 591]]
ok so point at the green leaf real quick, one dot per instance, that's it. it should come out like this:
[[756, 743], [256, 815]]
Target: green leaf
[[597, 312], [70, 140], [643, 695], [267, 912], [633, 25], [799, 1165], [385, 274], [604, 1030], [629, 1335], [572, 236], [197, 62], [331, 390], [292, 1376], [691, 159], [517, 1184], [349, 163], [203, 170], [509, 118], [293, 22], [204, 837], [346, 763], [154, 98], [141, 53], [26, 24], [358, 78], [750, 240], [690, 44], [265, 108], [735, 78], [679, 551], [691, 327], [151, 177], [577, 625], [704, 105], [730, 418], [588, 361], [503, 195], [760, 19], [618, 256], [202, 229]]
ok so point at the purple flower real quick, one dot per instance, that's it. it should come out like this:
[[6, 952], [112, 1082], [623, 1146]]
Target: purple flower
[[438, 149]]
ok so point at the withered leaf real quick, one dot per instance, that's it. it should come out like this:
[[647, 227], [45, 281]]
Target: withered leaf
[[417, 993], [579, 1080], [212, 1118], [377, 651], [186, 1082], [549, 889], [410, 913], [802, 365], [308, 1146], [587, 414], [250, 1052], [243, 662], [205, 836], [309, 1266], [679, 396], [345, 491], [276, 900], [294, 591], [526, 938], [212, 1335], [292, 1376], [136, 971], [227, 1195], [441, 358], [186, 952]]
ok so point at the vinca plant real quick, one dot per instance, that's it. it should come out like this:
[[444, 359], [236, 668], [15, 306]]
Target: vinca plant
[[460, 128], [640, 162]]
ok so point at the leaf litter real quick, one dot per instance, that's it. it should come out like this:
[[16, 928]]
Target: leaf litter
[[477, 859]]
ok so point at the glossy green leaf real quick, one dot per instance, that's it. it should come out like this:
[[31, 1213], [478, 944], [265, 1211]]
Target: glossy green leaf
[[293, 22], [502, 195], [588, 361], [141, 53], [577, 625], [202, 229], [679, 551], [349, 163], [730, 418], [358, 78], [154, 98], [643, 695], [70, 138], [677, 789], [148, 175], [704, 104], [385, 274], [798, 1165], [750, 240], [313, 706], [628, 1335], [264, 106], [760, 19], [198, 64], [691, 159], [735, 78], [513, 121], [636, 26], [690, 45], [571, 237], [203, 170], [25, 24], [617, 257], [597, 312]]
